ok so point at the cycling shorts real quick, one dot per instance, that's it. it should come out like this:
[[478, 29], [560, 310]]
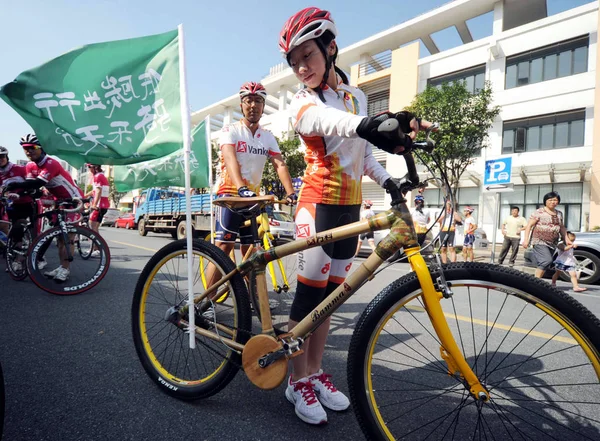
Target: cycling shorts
[[367, 235], [332, 261], [228, 226], [98, 215], [447, 239]]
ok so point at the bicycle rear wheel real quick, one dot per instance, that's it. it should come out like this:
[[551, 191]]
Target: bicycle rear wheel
[[84, 273], [282, 280], [535, 349], [16, 253], [160, 338]]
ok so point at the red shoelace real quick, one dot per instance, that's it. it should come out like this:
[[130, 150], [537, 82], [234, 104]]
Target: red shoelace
[[305, 388], [324, 379]]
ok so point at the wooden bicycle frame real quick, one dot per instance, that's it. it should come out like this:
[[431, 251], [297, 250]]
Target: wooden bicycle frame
[[402, 234]]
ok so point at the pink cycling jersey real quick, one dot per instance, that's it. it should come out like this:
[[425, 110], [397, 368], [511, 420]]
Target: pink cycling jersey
[[58, 182]]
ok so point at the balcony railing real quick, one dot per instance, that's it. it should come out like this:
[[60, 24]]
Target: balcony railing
[[375, 63]]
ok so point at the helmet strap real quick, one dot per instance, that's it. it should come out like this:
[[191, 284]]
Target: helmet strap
[[328, 64]]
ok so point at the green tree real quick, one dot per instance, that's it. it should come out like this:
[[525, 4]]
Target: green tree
[[294, 160], [464, 118], [113, 193]]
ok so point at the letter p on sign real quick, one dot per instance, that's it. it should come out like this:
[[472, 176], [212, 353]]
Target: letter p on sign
[[497, 171]]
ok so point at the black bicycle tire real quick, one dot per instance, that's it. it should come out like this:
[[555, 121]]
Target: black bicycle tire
[[404, 288], [46, 238], [22, 275], [244, 315]]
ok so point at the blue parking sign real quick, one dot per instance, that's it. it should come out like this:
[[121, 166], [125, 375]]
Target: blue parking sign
[[497, 171]]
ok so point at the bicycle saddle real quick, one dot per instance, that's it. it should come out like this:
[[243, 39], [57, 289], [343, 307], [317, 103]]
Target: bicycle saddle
[[243, 205]]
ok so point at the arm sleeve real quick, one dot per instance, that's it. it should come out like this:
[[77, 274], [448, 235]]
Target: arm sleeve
[[374, 169], [226, 137], [312, 120]]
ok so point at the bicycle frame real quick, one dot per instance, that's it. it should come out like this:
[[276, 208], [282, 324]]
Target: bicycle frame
[[402, 234]]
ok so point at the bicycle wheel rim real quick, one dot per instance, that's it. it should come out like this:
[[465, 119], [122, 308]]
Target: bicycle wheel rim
[[559, 337], [84, 273], [178, 375], [14, 255]]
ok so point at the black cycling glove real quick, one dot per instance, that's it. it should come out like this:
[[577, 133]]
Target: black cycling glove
[[245, 192], [291, 199], [385, 140]]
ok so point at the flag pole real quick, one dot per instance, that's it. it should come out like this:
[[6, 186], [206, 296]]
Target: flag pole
[[185, 129], [210, 178]]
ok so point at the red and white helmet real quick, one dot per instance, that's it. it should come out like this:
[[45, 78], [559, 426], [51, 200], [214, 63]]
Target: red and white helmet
[[368, 203], [252, 88], [308, 24]]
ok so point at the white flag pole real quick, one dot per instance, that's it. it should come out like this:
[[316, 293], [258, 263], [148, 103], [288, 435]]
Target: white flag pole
[[185, 130], [210, 178]]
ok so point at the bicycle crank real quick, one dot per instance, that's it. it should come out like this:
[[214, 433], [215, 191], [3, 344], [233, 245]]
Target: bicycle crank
[[265, 362]]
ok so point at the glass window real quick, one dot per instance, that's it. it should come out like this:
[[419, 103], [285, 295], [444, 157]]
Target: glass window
[[547, 136], [569, 193], [470, 83], [508, 141], [511, 76], [523, 73], [533, 138], [537, 71], [479, 81], [550, 63], [561, 135], [564, 63], [573, 217], [532, 194], [580, 57], [577, 133]]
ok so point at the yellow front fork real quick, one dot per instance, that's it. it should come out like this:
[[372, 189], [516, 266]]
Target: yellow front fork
[[449, 350]]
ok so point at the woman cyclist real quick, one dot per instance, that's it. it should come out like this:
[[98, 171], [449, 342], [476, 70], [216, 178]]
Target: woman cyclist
[[330, 117]]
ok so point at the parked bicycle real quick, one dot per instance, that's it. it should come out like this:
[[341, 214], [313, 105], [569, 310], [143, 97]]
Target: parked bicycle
[[461, 351], [84, 274]]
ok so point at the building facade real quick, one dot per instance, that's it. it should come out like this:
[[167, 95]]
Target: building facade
[[543, 72]]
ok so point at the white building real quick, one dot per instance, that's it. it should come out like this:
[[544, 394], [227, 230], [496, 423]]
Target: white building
[[543, 74]]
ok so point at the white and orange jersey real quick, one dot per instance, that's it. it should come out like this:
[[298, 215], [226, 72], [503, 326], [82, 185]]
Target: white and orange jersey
[[336, 158], [251, 152]]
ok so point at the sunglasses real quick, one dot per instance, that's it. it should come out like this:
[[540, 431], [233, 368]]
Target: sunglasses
[[31, 147], [3, 156]]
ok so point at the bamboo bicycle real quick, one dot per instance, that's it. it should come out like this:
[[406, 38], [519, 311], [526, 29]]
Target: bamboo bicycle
[[459, 351], [281, 274]]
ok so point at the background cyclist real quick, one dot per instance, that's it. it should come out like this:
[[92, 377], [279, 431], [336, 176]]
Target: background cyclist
[[330, 116], [20, 209], [244, 148], [44, 171], [100, 203], [366, 214]]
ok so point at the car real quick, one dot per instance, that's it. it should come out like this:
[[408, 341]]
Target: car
[[110, 217], [126, 221], [587, 255], [282, 224]]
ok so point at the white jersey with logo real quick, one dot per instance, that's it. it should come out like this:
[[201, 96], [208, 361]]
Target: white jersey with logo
[[251, 152], [336, 157]]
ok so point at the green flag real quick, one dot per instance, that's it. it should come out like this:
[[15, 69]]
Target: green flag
[[168, 170], [106, 103]]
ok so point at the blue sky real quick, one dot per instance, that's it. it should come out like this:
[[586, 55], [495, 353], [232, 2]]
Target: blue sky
[[227, 42]]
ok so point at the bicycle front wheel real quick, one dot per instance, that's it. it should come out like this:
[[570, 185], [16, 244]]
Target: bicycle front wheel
[[160, 336], [282, 279], [535, 349], [83, 274], [84, 246]]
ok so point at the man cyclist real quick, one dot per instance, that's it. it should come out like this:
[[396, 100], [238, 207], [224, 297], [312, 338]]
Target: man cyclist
[[100, 203], [421, 219], [21, 208], [245, 147], [43, 171]]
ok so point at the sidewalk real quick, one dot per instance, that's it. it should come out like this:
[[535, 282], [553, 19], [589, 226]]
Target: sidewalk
[[484, 255]]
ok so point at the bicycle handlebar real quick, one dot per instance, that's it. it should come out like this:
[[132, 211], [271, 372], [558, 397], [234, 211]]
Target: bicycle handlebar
[[73, 210]]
